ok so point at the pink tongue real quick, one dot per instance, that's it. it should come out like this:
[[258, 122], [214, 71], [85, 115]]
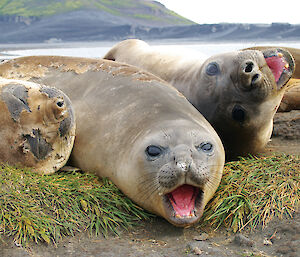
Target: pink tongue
[[276, 64], [184, 200]]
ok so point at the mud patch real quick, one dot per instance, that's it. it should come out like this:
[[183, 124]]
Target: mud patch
[[287, 125]]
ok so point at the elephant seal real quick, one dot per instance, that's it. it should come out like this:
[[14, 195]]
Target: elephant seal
[[237, 92], [291, 98], [37, 127], [137, 130]]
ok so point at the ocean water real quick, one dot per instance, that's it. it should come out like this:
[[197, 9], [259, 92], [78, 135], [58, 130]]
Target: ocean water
[[98, 49]]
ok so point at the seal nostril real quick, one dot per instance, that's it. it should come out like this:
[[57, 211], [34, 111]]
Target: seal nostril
[[249, 67], [255, 78], [60, 104]]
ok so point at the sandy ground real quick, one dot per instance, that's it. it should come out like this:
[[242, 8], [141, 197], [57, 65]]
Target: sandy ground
[[159, 238]]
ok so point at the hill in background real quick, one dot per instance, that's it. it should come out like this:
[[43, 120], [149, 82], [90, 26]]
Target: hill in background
[[36, 21], [68, 20]]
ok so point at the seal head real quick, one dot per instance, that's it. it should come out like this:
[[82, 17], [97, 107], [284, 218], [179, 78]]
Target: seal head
[[237, 92], [37, 126], [179, 170], [242, 111]]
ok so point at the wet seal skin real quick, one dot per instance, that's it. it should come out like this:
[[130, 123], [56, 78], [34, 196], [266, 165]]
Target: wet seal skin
[[237, 92], [137, 130], [30, 126]]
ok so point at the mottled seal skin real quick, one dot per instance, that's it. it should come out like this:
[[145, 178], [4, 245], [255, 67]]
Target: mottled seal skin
[[137, 130], [291, 98], [37, 126], [237, 92]]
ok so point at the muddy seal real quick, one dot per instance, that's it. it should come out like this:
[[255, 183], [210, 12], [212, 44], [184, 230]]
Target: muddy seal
[[137, 130], [237, 92], [37, 126]]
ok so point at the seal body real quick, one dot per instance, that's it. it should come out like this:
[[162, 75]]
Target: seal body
[[238, 92], [37, 126], [291, 98], [137, 130]]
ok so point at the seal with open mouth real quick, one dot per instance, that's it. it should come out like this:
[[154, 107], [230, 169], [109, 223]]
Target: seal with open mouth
[[37, 126], [291, 98], [237, 92], [137, 130]]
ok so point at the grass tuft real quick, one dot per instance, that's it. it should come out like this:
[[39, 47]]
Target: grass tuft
[[255, 190], [46, 208]]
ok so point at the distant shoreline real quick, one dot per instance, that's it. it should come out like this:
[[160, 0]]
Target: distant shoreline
[[97, 49], [179, 41]]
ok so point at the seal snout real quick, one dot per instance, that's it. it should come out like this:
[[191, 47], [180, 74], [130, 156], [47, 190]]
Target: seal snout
[[183, 179], [183, 165], [182, 156], [176, 171], [250, 74]]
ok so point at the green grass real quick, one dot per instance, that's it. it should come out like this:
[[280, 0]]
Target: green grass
[[255, 190], [38, 7], [147, 17], [125, 8], [46, 208]]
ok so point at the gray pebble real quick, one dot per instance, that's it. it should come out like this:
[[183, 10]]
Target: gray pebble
[[241, 240]]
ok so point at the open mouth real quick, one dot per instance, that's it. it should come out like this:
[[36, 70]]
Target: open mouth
[[277, 65], [280, 66], [184, 204]]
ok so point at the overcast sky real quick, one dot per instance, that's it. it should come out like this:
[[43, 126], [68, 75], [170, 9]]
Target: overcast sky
[[237, 11]]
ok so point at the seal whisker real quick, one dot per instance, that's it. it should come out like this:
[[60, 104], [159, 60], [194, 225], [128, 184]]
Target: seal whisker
[[150, 185], [149, 180], [213, 165], [149, 191], [211, 181]]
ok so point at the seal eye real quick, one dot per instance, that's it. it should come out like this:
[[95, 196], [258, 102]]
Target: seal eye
[[60, 104], [153, 151], [205, 147], [212, 69], [238, 113]]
